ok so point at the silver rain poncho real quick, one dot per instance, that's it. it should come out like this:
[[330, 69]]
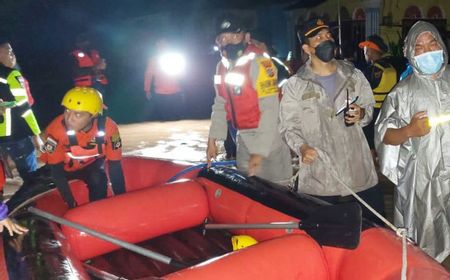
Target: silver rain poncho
[[420, 167]]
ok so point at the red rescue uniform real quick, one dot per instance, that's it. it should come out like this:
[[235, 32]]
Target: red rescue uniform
[[75, 157]]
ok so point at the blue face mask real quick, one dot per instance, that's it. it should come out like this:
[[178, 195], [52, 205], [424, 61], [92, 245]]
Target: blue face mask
[[430, 62]]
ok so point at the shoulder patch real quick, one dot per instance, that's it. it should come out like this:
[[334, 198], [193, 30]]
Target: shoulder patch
[[268, 66], [116, 142], [50, 145]]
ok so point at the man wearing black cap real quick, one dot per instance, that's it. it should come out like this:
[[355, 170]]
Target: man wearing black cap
[[381, 75], [324, 107], [247, 97]]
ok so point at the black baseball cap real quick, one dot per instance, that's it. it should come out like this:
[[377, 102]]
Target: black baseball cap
[[229, 24], [374, 42], [311, 28]]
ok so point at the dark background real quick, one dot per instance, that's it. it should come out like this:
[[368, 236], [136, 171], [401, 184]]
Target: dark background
[[42, 33]]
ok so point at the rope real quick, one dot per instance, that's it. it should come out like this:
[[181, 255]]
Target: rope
[[399, 231]]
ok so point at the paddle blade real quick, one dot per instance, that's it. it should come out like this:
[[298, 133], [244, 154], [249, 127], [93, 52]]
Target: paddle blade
[[335, 225]]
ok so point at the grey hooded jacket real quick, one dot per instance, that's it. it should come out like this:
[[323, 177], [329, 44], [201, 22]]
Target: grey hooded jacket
[[308, 116], [420, 167]]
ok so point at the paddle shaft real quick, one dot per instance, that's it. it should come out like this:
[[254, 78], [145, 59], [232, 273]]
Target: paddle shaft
[[293, 225], [139, 250]]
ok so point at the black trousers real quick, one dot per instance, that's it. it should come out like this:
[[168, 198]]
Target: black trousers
[[373, 196], [168, 107], [94, 176]]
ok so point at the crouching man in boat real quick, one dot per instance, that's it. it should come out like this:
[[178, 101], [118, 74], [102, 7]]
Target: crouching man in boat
[[247, 97], [79, 141], [7, 223]]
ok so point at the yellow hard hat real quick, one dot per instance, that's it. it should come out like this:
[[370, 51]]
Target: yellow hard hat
[[84, 99], [242, 241]]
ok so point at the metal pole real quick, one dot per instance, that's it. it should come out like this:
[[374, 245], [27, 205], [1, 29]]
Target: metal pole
[[281, 225], [139, 250]]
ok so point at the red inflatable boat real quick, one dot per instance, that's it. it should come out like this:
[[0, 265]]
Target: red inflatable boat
[[169, 219]]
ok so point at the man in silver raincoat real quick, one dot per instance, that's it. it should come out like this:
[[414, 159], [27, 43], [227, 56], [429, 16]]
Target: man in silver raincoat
[[414, 148], [314, 122]]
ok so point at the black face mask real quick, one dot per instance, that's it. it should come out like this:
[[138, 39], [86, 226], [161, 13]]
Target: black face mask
[[325, 50], [234, 51]]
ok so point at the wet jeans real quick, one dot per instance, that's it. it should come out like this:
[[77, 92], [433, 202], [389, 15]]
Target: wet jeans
[[23, 154]]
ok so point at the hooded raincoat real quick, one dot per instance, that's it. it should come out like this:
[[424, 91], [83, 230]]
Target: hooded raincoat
[[420, 167], [309, 116]]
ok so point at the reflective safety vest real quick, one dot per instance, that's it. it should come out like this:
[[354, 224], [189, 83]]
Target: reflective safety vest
[[78, 157], [16, 105], [387, 82], [88, 60], [242, 89]]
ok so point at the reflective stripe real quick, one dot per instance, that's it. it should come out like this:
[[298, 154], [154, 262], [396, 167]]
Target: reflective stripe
[[225, 62], [245, 59], [21, 102], [26, 113], [379, 97], [282, 82], [81, 157], [18, 92], [234, 79], [4, 81], [7, 118], [217, 79]]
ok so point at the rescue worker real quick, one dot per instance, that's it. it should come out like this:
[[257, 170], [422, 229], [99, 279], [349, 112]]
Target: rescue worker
[[88, 66], [329, 141], [247, 96], [19, 129], [79, 141], [7, 223], [381, 75], [162, 82], [413, 149]]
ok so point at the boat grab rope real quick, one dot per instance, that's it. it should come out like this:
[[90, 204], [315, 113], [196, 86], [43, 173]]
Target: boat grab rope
[[399, 231]]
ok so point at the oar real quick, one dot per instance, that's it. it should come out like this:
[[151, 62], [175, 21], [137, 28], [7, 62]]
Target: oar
[[139, 250], [331, 225]]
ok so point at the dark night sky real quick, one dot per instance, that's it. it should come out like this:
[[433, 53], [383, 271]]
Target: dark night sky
[[42, 34]]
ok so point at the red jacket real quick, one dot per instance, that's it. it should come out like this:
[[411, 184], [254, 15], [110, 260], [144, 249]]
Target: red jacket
[[235, 85], [85, 74]]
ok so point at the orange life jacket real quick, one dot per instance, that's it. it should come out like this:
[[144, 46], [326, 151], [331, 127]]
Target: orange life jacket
[[78, 157], [88, 60]]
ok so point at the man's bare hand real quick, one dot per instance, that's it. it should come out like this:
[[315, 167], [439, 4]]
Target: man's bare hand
[[419, 125], [211, 151], [12, 227], [309, 154], [355, 114], [254, 164]]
